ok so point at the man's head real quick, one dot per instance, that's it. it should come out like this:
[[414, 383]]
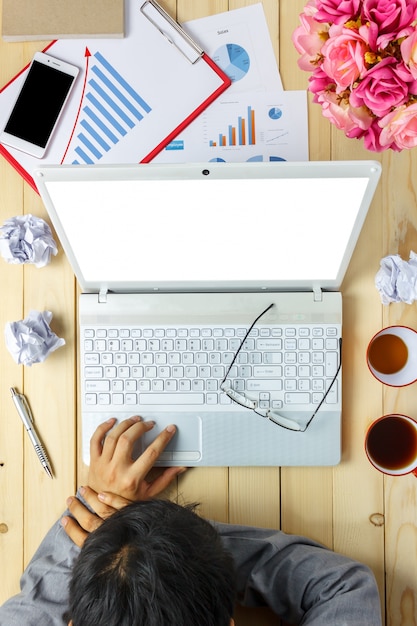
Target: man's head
[[153, 563]]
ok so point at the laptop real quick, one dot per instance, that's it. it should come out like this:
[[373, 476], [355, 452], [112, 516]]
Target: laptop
[[211, 300]]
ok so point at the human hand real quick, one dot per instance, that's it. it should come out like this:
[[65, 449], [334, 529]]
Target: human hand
[[82, 521], [112, 468]]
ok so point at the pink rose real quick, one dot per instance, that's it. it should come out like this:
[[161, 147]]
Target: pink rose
[[319, 82], [344, 58], [337, 113], [371, 139], [369, 33], [360, 117], [309, 38], [400, 126], [362, 56], [353, 122], [391, 16], [384, 86], [337, 11], [376, 41], [409, 53]]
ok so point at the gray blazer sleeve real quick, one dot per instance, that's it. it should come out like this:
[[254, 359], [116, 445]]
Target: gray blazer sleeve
[[300, 580], [44, 584]]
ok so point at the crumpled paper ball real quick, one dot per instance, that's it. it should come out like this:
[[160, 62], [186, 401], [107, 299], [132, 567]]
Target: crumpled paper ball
[[31, 340], [27, 239], [396, 279]]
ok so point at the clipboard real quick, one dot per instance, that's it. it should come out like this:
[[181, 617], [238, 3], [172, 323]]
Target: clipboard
[[132, 95]]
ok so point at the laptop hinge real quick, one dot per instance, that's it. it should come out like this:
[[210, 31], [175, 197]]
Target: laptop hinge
[[102, 296], [318, 294]]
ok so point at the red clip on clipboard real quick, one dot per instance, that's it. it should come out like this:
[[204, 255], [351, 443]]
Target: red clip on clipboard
[[133, 96]]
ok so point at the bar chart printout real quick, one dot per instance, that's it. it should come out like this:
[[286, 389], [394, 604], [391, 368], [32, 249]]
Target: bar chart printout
[[111, 109], [240, 134]]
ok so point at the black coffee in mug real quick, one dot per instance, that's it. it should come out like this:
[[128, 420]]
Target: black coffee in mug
[[391, 444]]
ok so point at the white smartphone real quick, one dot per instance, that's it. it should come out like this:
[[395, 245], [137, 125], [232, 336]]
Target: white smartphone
[[38, 106]]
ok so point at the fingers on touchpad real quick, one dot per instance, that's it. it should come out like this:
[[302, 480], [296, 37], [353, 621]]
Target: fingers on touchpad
[[186, 443]]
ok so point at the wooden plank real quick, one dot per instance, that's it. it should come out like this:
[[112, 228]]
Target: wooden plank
[[254, 496], [50, 388], [170, 7], [190, 10], [207, 487], [358, 489], [307, 503], [11, 430], [400, 236], [401, 550]]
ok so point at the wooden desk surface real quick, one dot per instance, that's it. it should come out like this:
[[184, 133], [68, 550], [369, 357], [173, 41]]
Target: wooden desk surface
[[350, 508]]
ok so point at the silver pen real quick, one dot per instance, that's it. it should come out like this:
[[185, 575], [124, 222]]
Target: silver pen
[[25, 413]]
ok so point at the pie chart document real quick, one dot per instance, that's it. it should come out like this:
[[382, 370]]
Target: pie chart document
[[239, 43], [234, 61]]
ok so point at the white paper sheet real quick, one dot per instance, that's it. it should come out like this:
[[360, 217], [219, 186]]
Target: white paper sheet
[[240, 43], [274, 124]]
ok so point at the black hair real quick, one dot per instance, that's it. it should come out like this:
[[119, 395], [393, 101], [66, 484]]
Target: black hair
[[153, 563]]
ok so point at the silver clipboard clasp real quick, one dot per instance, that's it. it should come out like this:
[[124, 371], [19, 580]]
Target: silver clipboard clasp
[[171, 30]]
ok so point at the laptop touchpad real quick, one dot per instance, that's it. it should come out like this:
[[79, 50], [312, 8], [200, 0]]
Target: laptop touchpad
[[186, 443]]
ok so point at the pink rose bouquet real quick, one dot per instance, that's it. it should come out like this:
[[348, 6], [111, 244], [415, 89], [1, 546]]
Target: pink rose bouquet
[[362, 55]]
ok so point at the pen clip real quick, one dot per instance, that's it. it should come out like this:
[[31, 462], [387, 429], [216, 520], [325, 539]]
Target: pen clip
[[171, 31], [23, 402], [26, 406]]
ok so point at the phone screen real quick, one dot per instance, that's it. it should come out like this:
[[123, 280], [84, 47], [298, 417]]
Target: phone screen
[[39, 103]]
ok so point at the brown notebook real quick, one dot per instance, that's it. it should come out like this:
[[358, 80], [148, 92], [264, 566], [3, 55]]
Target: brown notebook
[[28, 20]]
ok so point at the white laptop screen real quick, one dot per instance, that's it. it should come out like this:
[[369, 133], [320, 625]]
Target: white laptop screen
[[193, 230]]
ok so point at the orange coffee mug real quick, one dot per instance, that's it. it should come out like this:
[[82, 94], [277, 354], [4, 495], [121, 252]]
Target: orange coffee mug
[[392, 356], [391, 444]]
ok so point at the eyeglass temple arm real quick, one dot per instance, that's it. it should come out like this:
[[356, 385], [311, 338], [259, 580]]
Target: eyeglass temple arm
[[285, 422], [275, 417], [243, 341], [238, 397]]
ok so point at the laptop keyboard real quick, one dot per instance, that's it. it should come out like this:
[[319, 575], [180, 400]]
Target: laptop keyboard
[[283, 367]]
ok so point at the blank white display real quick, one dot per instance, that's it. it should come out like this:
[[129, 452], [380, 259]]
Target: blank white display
[[211, 230]]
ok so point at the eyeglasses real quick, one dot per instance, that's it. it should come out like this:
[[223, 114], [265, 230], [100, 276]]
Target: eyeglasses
[[244, 399]]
